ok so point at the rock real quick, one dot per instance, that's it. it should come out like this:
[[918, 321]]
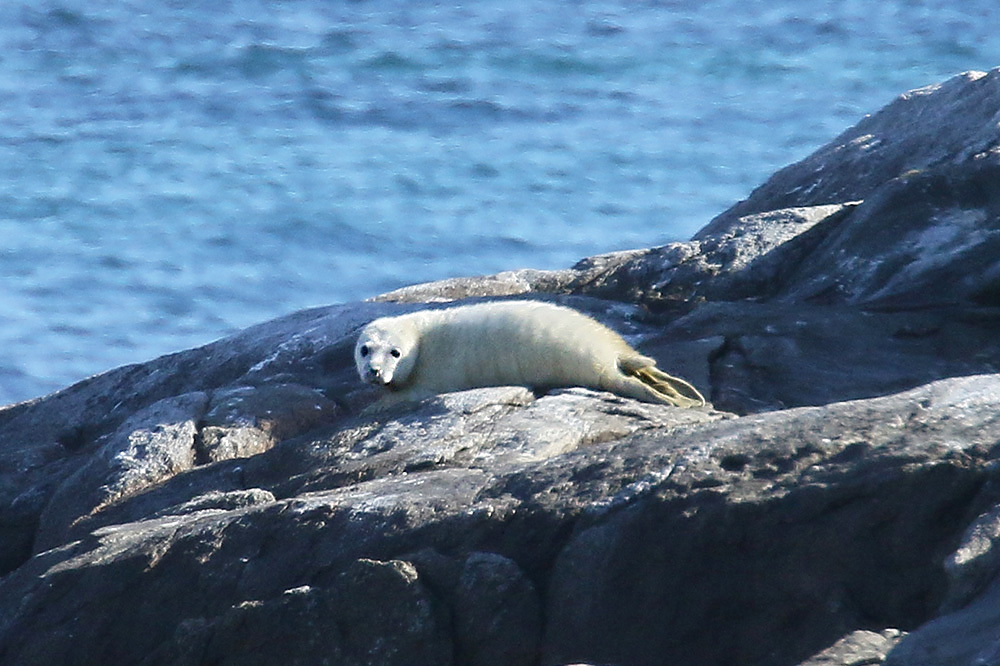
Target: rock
[[899, 211], [156, 443], [859, 648], [497, 613], [926, 239], [967, 636], [387, 615], [752, 257], [638, 537], [772, 356], [219, 501], [837, 504], [248, 420], [614, 595], [976, 562], [966, 631], [398, 624], [954, 122]]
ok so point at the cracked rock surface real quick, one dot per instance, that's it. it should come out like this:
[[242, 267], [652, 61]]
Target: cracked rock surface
[[836, 504]]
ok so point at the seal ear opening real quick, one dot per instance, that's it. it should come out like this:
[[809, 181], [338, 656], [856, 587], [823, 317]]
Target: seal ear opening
[[670, 389]]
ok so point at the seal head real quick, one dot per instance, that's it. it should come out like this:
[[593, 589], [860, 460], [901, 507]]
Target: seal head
[[385, 357]]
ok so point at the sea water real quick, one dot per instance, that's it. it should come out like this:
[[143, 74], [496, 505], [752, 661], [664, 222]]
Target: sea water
[[173, 171]]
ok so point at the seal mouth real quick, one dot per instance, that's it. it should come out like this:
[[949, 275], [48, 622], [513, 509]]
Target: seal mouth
[[376, 379], [373, 376]]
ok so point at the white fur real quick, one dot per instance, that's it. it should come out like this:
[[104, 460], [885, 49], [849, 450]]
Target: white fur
[[527, 343]]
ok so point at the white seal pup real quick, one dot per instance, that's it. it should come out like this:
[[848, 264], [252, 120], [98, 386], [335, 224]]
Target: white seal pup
[[525, 343]]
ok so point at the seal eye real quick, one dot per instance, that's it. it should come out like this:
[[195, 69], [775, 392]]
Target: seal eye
[[364, 350], [395, 353]]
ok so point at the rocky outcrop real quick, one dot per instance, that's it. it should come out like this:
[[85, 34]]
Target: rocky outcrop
[[234, 504]]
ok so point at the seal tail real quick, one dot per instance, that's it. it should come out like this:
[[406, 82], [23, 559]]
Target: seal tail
[[670, 389]]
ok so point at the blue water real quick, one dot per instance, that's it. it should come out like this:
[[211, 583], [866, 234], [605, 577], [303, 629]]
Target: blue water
[[173, 171]]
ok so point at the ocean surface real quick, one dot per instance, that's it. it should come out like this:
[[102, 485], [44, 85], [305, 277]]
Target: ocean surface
[[175, 171]]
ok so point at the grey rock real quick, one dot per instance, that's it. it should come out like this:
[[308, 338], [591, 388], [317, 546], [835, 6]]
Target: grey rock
[[927, 239], [859, 648], [639, 539], [385, 614], [966, 637], [156, 443], [508, 283], [219, 501], [976, 562], [248, 420], [497, 613], [752, 257], [837, 504], [773, 356], [900, 211], [953, 122], [398, 624]]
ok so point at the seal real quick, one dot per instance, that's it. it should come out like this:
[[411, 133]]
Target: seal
[[525, 343]]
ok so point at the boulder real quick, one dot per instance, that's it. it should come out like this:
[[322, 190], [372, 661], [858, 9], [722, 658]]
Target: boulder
[[836, 504]]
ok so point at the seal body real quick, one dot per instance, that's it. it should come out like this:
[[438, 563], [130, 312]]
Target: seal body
[[526, 343]]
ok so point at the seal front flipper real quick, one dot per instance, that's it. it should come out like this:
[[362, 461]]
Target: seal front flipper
[[392, 404]]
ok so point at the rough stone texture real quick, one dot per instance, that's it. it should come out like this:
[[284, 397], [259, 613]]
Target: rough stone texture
[[859, 648], [235, 504]]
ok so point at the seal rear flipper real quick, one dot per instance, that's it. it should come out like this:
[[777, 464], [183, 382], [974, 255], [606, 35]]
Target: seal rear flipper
[[633, 363], [673, 390]]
